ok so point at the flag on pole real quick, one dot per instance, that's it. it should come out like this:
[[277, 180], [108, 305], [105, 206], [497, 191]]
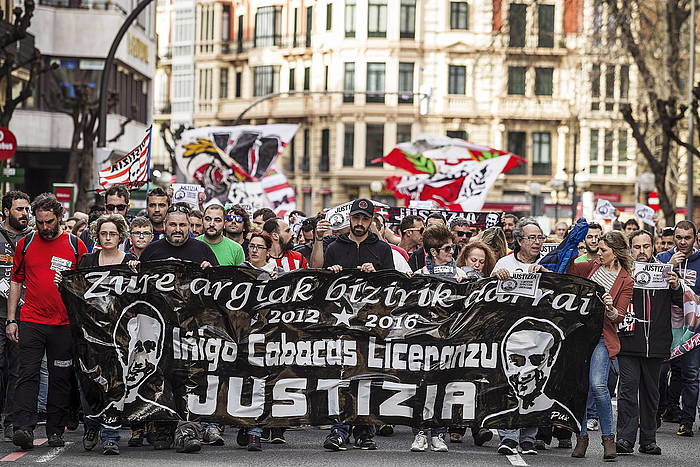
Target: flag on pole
[[132, 170], [605, 209], [645, 213]]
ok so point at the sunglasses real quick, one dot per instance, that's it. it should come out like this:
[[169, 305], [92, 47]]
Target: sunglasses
[[230, 218], [118, 207], [447, 248], [415, 229], [182, 209], [463, 234]]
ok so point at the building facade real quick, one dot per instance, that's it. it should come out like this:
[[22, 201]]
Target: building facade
[[74, 37], [533, 77]]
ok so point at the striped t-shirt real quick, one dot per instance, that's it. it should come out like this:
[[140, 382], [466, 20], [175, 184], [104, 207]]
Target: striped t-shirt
[[604, 278], [290, 261]]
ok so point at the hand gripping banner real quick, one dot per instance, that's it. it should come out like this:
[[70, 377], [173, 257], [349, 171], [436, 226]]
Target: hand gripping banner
[[313, 347]]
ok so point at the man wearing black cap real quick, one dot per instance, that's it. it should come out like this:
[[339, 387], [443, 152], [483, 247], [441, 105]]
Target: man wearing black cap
[[363, 250], [359, 248]]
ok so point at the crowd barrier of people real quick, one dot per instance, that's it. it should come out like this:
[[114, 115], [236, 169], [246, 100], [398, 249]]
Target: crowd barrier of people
[[631, 361]]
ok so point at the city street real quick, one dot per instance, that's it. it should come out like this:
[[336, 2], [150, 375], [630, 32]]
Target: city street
[[304, 448]]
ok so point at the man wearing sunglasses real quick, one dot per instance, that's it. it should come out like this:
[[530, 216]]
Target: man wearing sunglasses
[[238, 226], [461, 232], [411, 228], [117, 200]]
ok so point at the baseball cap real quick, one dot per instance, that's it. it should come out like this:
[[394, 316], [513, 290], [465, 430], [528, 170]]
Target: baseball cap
[[362, 206]]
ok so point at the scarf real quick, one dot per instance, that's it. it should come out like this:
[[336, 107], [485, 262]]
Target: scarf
[[446, 271]]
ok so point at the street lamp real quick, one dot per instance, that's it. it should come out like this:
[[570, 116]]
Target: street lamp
[[558, 184]]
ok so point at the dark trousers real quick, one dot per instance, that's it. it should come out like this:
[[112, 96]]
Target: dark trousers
[[9, 352], [670, 386], [638, 398], [56, 341], [689, 376]]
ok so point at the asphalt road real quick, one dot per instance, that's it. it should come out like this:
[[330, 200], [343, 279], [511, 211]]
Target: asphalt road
[[304, 448]]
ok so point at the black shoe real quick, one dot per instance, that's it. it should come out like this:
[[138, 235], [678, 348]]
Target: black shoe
[[624, 447], [385, 430], [482, 437], [73, 421], [528, 449], [650, 448], [365, 443], [254, 443], [56, 440], [335, 442], [162, 441], [508, 447], [90, 438], [685, 430], [277, 436], [540, 445], [110, 449], [136, 440], [242, 437], [266, 435], [8, 431], [187, 440], [24, 439]]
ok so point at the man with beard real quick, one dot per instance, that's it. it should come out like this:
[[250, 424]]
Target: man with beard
[[461, 232], [237, 226], [228, 252], [281, 252], [15, 206], [509, 221], [645, 342], [177, 244], [685, 259], [157, 202], [357, 249], [44, 327], [591, 241]]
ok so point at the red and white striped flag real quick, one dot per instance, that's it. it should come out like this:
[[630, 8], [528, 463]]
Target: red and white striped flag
[[132, 170]]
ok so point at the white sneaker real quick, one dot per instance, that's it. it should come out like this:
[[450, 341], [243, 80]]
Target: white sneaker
[[437, 443], [420, 443], [592, 425]]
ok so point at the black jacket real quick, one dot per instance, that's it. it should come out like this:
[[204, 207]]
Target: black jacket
[[653, 339], [349, 255]]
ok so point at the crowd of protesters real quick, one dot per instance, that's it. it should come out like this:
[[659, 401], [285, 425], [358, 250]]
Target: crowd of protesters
[[630, 362]]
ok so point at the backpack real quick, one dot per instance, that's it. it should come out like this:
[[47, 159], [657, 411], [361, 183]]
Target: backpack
[[72, 239], [558, 260]]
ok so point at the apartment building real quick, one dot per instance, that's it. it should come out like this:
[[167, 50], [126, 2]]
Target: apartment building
[[362, 75]]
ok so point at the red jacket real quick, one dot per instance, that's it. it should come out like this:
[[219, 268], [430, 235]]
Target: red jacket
[[621, 294]]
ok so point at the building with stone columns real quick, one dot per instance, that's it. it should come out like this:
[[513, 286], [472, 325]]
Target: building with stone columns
[[527, 76]]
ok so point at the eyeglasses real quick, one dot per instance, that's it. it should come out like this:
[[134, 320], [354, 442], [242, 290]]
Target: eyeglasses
[[463, 234], [142, 234], [533, 238], [447, 248], [182, 209], [109, 234], [118, 207], [415, 229], [230, 218], [255, 247]]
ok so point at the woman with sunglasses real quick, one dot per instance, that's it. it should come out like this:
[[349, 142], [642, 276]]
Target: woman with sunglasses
[[437, 242]]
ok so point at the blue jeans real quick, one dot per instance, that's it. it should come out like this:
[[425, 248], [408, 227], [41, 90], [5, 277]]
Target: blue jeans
[[357, 431], [591, 409], [689, 379], [598, 387], [519, 435]]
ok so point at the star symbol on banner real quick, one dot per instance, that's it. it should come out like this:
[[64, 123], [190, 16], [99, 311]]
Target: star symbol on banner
[[343, 317]]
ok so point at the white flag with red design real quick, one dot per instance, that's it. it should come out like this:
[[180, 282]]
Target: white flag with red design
[[131, 170]]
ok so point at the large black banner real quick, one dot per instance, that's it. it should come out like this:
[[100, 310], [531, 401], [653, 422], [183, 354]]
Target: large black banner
[[314, 347]]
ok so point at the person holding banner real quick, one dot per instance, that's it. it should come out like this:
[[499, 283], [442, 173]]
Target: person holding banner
[[528, 239], [157, 203], [645, 342], [358, 249], [108, 232], [612, 271], [228, 252], [685, 259], [478, 257]]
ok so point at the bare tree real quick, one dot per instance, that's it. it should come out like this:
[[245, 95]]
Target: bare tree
[[12, 62], [654, 34]]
